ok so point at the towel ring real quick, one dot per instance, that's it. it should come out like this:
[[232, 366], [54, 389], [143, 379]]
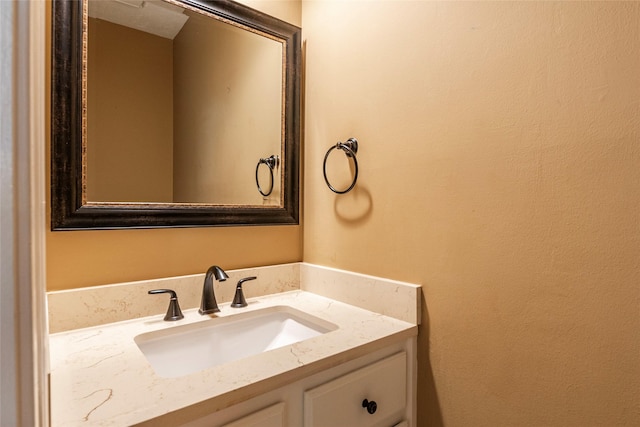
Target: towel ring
[[271, 162], [350, 148]]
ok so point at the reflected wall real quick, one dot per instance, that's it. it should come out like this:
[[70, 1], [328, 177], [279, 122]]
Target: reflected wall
[[129, 115], [226, 117], [181, 118]]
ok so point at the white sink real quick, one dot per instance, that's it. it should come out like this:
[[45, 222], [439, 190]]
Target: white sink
[[185, 349]]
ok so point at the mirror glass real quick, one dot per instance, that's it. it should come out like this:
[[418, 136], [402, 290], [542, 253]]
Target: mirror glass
[[180, 107], [173, 113]]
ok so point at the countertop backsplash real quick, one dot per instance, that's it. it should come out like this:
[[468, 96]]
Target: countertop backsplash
[[92, 306]]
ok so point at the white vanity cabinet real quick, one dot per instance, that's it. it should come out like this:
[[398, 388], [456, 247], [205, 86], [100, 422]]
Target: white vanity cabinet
[[334, 397], [368, 397], [273, 416]]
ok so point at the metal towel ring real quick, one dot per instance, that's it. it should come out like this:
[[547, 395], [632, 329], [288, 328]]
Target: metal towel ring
[[350, 148], [272, 163]]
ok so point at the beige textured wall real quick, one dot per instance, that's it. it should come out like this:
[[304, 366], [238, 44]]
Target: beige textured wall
[[88, 258], [131, 137], [499, 154], [287, 10]]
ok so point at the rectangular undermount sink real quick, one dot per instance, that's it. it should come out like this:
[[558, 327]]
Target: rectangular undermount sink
[[185, 349]]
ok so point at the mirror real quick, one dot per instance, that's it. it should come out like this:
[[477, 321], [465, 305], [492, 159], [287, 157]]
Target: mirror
[[173, 114]]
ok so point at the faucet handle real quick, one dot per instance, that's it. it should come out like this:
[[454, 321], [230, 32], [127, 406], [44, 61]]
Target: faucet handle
[[238, 299], [173, 312]]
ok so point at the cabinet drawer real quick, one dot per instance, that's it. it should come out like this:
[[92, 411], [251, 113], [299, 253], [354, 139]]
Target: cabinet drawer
[[273, 416], [339, 403]]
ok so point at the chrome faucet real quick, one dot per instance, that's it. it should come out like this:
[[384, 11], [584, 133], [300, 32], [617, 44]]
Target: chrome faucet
[[208, 303]]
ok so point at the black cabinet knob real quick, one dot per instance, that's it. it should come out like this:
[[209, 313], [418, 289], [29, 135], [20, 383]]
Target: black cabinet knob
[[371, 406]]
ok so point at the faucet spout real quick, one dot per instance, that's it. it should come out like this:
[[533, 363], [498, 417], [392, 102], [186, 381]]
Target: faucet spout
[[208, 303]]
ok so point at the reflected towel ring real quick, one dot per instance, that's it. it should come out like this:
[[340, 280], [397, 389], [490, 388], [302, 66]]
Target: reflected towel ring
[[272, 163], [350, 148]]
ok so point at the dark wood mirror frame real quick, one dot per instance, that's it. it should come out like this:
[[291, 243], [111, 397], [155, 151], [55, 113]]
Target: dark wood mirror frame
[[68, 210]]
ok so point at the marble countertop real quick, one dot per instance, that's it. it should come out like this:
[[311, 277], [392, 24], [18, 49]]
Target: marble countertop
[[100, 377]]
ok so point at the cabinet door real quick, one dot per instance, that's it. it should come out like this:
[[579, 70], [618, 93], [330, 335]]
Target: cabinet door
[[273, 416], [341, 402]]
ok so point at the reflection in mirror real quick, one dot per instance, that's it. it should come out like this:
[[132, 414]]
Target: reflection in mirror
[[180, 107], [163, 110]]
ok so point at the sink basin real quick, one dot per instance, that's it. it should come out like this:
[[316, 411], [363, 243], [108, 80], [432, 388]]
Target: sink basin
[[185, 349]]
